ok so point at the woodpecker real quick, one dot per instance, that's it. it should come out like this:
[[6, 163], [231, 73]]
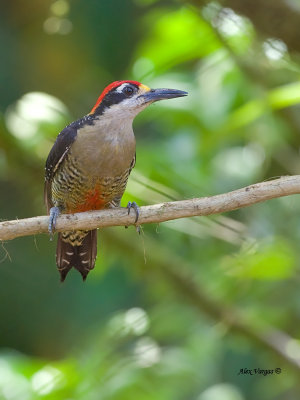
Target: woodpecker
[[89, 165]]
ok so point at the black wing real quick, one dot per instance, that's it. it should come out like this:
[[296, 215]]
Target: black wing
[[59, 151], [56, 156]]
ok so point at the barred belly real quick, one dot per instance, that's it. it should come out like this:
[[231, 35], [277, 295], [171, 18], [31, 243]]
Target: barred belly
[[73, 191]]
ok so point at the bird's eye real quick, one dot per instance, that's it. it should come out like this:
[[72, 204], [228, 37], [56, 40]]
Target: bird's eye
[[128, 90]]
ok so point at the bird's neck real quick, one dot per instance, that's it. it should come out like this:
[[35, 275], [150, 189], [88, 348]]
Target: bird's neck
[[118, 115], [113, 124]]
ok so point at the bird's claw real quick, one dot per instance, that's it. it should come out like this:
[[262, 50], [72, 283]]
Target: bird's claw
[[54, 213], [136, 208]]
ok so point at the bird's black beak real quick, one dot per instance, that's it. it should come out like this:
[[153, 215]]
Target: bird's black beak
[[162, 94]]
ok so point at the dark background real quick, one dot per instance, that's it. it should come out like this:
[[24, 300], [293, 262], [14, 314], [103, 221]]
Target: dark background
[[176, 312]]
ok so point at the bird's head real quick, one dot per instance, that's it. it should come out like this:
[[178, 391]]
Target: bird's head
[[125, 99]]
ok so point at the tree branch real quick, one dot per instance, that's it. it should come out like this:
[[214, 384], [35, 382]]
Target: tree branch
[[240, 198]]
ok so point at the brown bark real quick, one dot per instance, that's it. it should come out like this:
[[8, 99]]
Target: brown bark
[[156, 213]]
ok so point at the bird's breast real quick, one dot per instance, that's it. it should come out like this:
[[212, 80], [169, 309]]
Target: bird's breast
[[95, 171], [101, 151]]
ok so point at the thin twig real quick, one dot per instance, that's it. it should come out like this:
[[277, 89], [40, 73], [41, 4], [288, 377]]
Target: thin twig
[[240, 198]]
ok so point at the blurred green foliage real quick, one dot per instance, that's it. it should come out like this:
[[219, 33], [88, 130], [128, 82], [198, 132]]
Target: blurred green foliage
[[128, 332]]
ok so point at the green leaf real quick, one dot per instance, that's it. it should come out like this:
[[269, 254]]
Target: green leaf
[[268, 261]]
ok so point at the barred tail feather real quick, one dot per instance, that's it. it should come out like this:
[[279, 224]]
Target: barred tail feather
[[82, 257]]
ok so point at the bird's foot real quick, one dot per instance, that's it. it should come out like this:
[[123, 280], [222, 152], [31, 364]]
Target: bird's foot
[[136, 208], [54, 213]]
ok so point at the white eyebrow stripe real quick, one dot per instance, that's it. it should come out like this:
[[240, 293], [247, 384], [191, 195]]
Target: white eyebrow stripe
[[120, 88]]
